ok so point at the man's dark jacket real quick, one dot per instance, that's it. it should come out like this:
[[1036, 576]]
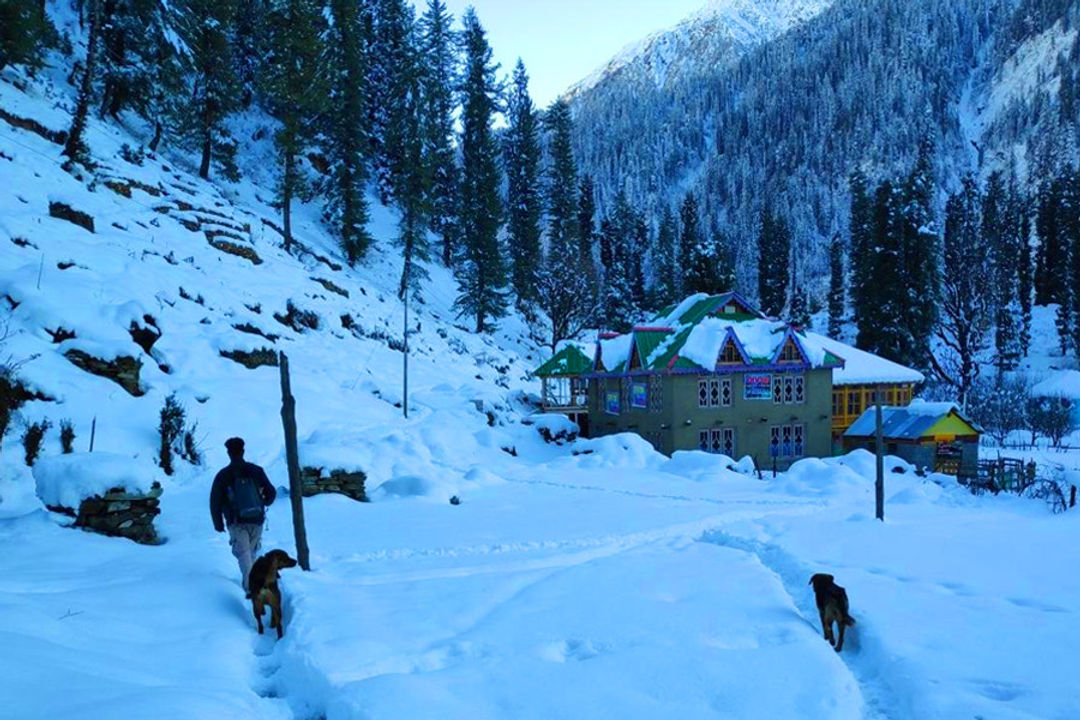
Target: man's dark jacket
[[219, 501]]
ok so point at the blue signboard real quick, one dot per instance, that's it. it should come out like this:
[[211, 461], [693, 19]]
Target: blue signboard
[[757, 387]]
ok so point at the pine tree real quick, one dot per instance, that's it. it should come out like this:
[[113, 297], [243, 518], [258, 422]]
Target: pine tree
[[25, 31], [702, 272], [638, 244], [296, 88], [665, 290], [586, 231], [246, 40], [800, 307], [482, 275], [161, 92], [345, 135], [562, 179], [860, 261], [75, 148], [967, 305], [617, 307], [391, 73], [774, 263], [521, 158], [836, 287], [691, 241], [204, 28], [128, 50], [1000, 232], [918, 272], [725, 261], [438, 80], [1025, 280]]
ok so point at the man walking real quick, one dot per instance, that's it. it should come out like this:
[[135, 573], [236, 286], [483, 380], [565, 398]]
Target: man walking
[[238, 498]]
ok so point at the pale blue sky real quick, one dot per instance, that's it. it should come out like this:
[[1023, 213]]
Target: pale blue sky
[[562, 41]]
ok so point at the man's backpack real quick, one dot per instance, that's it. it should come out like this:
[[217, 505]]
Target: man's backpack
[[245, 498]]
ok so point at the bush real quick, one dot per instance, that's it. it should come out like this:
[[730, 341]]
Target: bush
[[191, 451], [67, 436], [170, 430], [1000, 405], [32, 437], [12, 396]]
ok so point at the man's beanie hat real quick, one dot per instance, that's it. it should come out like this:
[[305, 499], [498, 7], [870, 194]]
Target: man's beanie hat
[[234, 444]]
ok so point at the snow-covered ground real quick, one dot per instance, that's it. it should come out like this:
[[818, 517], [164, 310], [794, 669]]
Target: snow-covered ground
[[596, 579]]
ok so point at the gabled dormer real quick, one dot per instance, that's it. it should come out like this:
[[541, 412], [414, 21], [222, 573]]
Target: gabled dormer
[[732, 352], [791, 351]]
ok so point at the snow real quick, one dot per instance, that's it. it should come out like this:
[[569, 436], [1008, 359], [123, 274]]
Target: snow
[[759, 338], [1062, 384], [616, 350], [67, 480]]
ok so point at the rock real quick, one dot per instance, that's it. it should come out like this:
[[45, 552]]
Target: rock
[[124, 370], [253, 359], [232, 248], [342, 482], [64, 211]]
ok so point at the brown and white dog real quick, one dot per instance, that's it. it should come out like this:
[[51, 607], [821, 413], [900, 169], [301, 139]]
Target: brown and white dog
[[832, 605], [262, 583]]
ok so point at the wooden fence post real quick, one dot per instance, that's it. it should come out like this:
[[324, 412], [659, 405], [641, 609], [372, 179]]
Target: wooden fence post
[[296, 495], [879, 484]]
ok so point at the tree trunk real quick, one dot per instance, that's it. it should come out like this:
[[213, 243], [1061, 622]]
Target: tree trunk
[[157, 137], [292, 461], [75, 148], [286, 201], [204, 167]]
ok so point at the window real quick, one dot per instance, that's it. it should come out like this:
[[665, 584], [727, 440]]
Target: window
[[854, 406], [639, 395], [837, 403], [714, 392], [787, 440], [718, 441], [790, 353], [789, 389], [611, 402], [730, 354]]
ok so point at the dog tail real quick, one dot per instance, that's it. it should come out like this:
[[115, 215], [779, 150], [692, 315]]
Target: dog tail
[[848, 620]]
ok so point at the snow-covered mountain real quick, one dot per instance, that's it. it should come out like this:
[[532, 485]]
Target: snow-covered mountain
[[748, 103], [717, 34]]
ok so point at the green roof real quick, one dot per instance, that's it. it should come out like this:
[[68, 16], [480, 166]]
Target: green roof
[[568, 361]]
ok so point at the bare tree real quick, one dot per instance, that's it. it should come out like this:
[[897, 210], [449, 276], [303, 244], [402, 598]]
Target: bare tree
[[966, 298], [564, 294]]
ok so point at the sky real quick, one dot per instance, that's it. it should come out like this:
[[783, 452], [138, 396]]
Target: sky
[[562, 41]]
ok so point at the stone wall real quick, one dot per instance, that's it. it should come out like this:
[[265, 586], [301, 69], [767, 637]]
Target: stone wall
[[118, 513], [351, 484]]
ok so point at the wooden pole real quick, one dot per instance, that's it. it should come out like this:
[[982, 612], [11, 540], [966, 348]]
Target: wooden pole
[[879, 485], [296, 496], [93, 432], [405, 353]]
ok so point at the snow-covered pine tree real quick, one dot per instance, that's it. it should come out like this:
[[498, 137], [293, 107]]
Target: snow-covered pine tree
[[1000, 233], [774, 263], [295, 86], [860, 258], [521, 159], [562, 180], [439, 77], [482, 272], [162, 89], [638, 244], [127, 50], [616, 303], [665, 290], [1025, 271], [1069, 229], [204, 27], [836, 287], [25, 32], [412, 188], [800, 306], [586, 227], [691, 240], [1051, 265], [918, 271], [564, 294], [966, 297], [726, 276], [345, 133]]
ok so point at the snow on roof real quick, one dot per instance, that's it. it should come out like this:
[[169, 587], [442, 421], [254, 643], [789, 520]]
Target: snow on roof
[[861, 367], [1063, 384], [67, 480], [673, 317], [760, 339], [616, 350]]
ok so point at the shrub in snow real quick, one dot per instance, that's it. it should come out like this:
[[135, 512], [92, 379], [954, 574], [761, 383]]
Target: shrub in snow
[[32, 437], [297, 319], [67, 436], [554, 428], [1000, 405], [63, 211], [252, 359], [13, 395], [123, 370], [455, 500], [1050, 417], [175, 438]]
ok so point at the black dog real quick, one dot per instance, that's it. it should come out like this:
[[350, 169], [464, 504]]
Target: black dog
[[832, 605]]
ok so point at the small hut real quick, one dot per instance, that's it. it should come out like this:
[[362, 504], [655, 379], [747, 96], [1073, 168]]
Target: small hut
[[564, 385], [930, 435]]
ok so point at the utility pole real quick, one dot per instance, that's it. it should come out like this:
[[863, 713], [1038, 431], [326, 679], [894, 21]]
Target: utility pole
[[879, 485], [296, 494]]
